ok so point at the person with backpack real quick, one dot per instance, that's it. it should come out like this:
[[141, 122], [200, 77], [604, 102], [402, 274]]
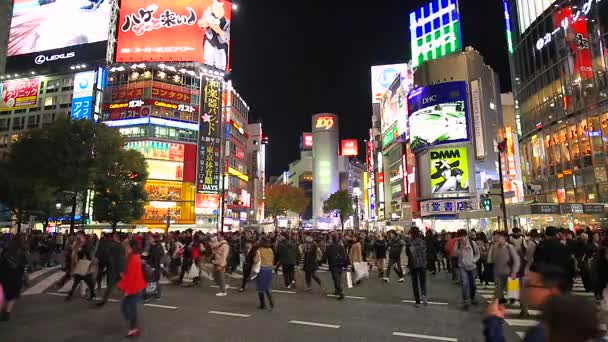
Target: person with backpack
[[311, 255], [337, 261], [506, 263], [416, 251], [467, 254]]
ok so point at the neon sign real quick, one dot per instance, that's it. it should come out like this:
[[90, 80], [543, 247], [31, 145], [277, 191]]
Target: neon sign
[[325, 122]]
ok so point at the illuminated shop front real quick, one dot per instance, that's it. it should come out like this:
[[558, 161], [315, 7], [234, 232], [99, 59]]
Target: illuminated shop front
[[559, 64]]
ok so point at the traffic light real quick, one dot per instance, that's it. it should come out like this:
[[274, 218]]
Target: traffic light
[[486, 203], [502, 146]]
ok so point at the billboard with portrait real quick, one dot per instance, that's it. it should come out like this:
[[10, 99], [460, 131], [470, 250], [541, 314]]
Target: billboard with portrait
[[449, 170], [19, 94], [175, 31], [383, 76], [51, 32], [393, 106], [435, 31], [438, 114]]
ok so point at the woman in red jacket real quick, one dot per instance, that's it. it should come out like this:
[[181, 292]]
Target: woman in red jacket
[[132, 283]]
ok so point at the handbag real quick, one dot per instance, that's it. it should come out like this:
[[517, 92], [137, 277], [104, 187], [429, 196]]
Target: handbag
[[193, 272], [361, 271], [82, 267], [513, 288]]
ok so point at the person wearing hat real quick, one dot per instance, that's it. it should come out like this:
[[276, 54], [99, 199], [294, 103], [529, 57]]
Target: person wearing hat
[[311, 255], [416, 254]]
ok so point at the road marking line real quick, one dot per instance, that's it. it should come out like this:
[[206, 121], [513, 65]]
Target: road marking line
[[39, 273], [234, 276], [282, 291], [349, 297], [162, 306], [517, 311], [487, 296], [429, 303], [228, 287], [521, 334], [485, 291], [521, 322], [314, 324], [222, 313], [583, 294], [44, 284], [426, 337]]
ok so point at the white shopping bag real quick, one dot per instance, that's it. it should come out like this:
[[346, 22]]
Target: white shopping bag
[[361, 271], [349, 279]]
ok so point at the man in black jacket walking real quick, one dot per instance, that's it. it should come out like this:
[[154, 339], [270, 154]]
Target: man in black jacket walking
[[552, 252], [117, 258], [394, 256], [337, 261]]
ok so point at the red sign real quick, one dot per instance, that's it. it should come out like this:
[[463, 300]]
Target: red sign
[[124, 94], [175, 31], [325, 122], [126, 113], [380, 177], [350, 147], [19, 94], [307, 140], [577, 41], [206, 201], [168, 94]]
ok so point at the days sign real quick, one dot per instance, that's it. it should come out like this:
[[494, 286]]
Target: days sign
[[19, 94], [350, 147], [438, 114], [480, 149], [435, 31], [449, 171], [209, 166], [325, 122], [443, 207], [175, 31], [383, 76], [307, 140], [82, 100]]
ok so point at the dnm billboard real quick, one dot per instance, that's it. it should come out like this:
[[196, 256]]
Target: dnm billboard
[[449, 170]]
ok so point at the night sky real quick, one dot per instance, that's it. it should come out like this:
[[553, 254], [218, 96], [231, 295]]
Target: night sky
[[292, 59]]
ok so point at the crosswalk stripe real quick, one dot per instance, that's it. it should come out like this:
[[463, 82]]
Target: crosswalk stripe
[[521, 322], [521, 334], [517, 311], [35, 275], [485, 291], [41, 286]]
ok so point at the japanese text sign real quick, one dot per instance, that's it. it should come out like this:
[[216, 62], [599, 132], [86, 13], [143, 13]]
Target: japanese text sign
[[209, 139], [443, 207], [175, 30], [19, 94], [350, 147]]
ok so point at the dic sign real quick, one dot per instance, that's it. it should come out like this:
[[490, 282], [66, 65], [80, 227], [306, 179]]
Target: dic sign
[[435, 31]]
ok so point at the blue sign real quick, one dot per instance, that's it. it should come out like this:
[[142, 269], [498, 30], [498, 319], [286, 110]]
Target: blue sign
[[101, 78], [82, 108], [438, 114]]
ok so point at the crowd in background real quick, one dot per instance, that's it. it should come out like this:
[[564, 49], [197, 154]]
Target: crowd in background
[[135, 263]]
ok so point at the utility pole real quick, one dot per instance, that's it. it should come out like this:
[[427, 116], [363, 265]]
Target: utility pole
[[502, 147]]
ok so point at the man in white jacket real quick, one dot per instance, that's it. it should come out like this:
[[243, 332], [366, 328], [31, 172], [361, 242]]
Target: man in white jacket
[[467, 253]]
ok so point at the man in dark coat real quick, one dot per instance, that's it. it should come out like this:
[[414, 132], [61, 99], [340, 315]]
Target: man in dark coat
[[117, 257], [335, 255]]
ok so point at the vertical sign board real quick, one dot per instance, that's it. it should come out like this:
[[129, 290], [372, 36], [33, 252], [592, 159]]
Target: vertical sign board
[[480, 149], [208, 175], [82, 101]]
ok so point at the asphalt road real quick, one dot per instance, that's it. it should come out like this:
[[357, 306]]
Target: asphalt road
[[373, 311]]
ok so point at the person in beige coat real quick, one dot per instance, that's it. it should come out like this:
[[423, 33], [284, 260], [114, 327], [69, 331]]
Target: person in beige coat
[[356, 254], [221, 251]]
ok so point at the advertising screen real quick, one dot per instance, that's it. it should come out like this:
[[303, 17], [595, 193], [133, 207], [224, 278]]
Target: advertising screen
[[42, 34], [209, 139], [165, 170], [350, 147], [82, 101], [393, 106], [175, 31], [157, 150], [435, 31], [383, 76], [438, 114], [19, 94], [449, 170], [206, 204]]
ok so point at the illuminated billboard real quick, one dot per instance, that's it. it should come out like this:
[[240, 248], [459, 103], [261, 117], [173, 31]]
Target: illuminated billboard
[[209, 167], [393, 106], [449, 170], [52, 32], [175, 31], [383, 76], [19, 94], [529, 10], [82, 100], [165, 170], [435, 31], [350, 147], [307, 140], [438, 114], [157, 149]]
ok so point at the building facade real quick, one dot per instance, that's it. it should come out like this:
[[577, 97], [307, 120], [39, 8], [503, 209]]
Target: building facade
[[560, 84]]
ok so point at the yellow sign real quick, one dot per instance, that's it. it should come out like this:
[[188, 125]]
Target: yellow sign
[[238, 174], [165, 104]]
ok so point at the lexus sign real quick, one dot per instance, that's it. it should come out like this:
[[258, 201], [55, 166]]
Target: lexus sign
[[41, 59]]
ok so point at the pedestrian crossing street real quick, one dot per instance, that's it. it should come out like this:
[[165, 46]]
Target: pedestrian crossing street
[[512, 312]]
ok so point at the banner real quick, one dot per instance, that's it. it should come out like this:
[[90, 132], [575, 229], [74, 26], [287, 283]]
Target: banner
[[206, 204], [82, 100], [175, 31], [19, 94], [209, 166], [449, 170]]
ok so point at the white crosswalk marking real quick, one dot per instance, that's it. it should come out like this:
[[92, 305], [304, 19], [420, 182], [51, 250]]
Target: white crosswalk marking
[[521, 322], [35, 275], [41, 286]]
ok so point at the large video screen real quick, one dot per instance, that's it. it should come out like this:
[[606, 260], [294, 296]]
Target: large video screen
[[383, 76], [438, 114], [174, 31], [43, 25]]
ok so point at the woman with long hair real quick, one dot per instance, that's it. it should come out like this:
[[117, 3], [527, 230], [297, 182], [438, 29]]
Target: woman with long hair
[[12, 267], [132, 283]]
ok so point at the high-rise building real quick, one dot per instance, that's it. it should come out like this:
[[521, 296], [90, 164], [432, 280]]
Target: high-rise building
[[256, 160]]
